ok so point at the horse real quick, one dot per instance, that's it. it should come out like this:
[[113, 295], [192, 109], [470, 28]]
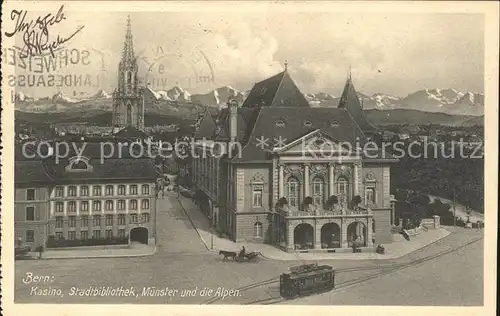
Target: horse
[[227, 254]]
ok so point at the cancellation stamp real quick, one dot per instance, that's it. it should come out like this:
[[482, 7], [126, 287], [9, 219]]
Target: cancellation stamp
[[170, 155]]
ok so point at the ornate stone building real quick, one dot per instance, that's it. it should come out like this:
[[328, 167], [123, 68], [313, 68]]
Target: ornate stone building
[[276, 170], [128, 101]]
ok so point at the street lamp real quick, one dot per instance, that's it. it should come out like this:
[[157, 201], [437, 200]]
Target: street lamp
[[454, 209], [212, 238]]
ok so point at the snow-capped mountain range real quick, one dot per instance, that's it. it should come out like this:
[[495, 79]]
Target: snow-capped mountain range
[[449, 101]]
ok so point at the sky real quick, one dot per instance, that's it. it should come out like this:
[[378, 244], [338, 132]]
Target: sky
[[390, 53]]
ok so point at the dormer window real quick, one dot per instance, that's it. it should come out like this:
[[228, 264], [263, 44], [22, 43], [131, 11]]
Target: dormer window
[[335, 124], [79, 164], [280, 123], [307, 123], [263, 91]]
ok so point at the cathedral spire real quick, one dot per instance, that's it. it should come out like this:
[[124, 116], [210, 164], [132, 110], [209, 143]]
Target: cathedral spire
[[128, 48]]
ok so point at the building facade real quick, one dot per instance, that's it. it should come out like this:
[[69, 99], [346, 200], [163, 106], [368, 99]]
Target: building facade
[[128, 101], [84, 198], [275, 170]]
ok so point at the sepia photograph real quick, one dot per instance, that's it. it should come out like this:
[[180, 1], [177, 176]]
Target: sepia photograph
[[236, 153]]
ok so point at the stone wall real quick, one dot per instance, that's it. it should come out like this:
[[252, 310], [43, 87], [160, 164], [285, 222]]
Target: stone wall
[[245, 227], [382, 219]]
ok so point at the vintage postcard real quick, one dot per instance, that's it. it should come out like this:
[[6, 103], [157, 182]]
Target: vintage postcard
[[319, 157]]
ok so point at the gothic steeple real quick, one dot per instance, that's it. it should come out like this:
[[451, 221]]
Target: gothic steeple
[[128, 103], [128, 48], [127, 68]]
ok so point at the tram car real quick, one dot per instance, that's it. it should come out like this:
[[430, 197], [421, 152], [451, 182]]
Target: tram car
[[307, 279]]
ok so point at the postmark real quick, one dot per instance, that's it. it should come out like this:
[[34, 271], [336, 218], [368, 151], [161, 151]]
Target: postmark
[[159, 65]]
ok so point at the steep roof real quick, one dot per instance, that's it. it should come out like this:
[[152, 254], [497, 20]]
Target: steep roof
[[246, 118], [207, 126], [130, 131], [104, 162], [278, 90], [337, 123], [349, 100]]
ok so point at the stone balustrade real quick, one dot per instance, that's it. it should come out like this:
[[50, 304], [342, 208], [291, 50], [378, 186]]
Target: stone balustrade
[[320, 212]]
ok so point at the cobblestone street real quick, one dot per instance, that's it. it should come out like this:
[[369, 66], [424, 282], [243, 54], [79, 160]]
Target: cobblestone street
[[182, 262]]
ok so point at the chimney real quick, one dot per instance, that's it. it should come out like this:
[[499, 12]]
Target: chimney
[[233, 120]]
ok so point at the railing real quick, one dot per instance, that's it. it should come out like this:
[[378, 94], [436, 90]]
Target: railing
[[290, 212]]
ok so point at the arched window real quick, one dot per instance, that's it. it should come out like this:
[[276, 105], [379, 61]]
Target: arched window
[[317, 191], [343, 190], [293, 192], [257, 230], [79, 165]]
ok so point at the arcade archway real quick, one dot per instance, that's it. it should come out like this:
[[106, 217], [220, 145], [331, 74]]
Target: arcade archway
[[330, 236], [357, 232], [139, 234], [303, 236]]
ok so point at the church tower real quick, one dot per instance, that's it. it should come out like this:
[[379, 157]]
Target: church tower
[[128, 106]]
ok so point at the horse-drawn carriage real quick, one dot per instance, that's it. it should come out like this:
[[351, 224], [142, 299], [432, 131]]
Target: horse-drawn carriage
[[240, 257]]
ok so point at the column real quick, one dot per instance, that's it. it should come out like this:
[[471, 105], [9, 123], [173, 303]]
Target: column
[[343, 237], [289, 232], [306, 180], [90, 207], [369, 233], [356, 182], [331, 179], [52, 208], [281, 182], [317, 236]]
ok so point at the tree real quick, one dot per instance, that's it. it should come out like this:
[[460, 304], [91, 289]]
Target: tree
[[332, 201], [468, 211], [282, 202], [356, 200], [307, 201]]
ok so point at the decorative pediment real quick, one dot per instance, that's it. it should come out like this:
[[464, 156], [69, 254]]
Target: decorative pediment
[[313, 143], [343, 170], [318, 169], [370, 176], [257, 178], [294, 169]]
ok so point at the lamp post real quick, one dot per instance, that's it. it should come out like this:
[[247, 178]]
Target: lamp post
[[211, 235], [454, 210]]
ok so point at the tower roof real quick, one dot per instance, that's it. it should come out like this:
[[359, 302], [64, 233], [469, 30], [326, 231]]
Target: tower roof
[[128, 47], [278, 90], [349, 100], [207, 126]]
